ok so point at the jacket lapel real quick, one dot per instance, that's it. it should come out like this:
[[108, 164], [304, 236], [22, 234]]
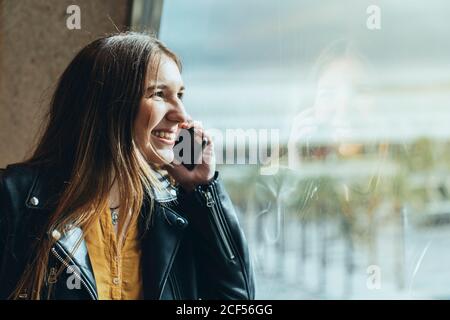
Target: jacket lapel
[[73, 244], [43, 195], [159, 248]]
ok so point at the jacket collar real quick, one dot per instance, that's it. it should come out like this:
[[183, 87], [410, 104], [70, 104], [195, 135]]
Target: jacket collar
[[48, 185], [168, 192]]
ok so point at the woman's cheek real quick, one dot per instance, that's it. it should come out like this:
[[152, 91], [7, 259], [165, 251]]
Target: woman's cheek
[[142, 132]]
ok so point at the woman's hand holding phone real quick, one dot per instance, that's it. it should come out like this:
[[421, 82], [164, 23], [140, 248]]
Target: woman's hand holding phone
[[202, 170]]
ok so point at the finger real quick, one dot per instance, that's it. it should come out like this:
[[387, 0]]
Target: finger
[[193, 123], [199, 133], [208, 137], [205, 140], [186, 124], [197, 124], [208, 155], [208, 150]]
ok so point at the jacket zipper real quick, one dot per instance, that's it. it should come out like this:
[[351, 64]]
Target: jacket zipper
[[51, 280], [64, 262], [210, 203]]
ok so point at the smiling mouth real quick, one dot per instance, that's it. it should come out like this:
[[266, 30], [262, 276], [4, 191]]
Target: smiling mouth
[[164, 136]]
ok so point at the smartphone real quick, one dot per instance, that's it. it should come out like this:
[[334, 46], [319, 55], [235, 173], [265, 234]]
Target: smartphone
[[186, 141]]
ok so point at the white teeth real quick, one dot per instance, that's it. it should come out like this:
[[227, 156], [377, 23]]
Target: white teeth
[[165, 135]]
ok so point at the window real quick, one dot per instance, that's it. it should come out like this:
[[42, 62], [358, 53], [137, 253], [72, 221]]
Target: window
[[359, 206]]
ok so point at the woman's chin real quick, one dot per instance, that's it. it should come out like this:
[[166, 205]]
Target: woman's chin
[[166, 154]]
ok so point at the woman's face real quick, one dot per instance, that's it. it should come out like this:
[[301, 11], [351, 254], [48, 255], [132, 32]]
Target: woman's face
[[160, 112]]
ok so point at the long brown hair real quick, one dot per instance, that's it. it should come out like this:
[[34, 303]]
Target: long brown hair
[[89, 134]]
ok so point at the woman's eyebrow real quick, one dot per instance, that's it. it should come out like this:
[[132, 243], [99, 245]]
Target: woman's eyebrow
[[162, 86]]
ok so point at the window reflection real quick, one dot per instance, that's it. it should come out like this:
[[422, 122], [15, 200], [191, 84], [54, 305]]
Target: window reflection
[[360, 206]]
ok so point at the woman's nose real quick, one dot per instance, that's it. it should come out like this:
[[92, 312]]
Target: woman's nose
[[178, 113]]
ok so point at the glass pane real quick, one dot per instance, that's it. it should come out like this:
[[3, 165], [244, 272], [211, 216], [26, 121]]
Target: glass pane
[[352, 201]]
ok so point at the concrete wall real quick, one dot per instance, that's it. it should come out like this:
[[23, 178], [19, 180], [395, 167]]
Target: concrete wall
[[35, 47]]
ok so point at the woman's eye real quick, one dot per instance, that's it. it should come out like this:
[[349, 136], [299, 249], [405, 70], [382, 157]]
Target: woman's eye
[[158, 94], [181, 95]]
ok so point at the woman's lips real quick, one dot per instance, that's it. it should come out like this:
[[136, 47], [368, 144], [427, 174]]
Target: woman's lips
[[166, 137]]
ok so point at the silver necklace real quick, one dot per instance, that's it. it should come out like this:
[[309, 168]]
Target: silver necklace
[[114, 215]]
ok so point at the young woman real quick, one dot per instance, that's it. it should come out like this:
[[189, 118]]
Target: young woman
[[91, 215]]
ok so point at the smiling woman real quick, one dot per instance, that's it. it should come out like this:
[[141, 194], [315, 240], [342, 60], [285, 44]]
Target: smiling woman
[[99, 204]]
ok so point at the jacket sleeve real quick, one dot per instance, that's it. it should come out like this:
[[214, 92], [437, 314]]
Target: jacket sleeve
[[221, 253]]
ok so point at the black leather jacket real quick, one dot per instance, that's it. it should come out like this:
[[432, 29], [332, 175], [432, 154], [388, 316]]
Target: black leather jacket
[[193, 247]]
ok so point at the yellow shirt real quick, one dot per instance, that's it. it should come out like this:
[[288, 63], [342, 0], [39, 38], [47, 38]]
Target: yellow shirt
[[117, 267]]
